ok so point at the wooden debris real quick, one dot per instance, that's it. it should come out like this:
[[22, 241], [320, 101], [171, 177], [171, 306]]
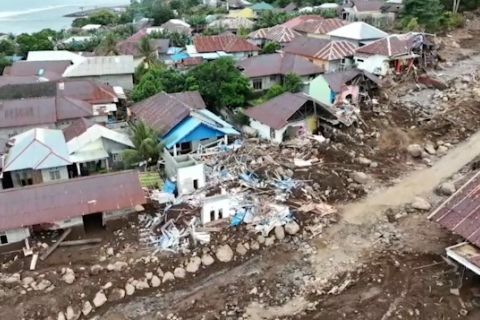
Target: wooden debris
[[55, 246], [33, 262], [80, 242]]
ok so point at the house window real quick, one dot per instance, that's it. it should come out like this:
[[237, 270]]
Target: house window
[[212, 215], [250, 54], [116, 157], [24, 178], [220, 214], [195, 184], [273, 78], [55, 174], [3, 239], [257, 84]]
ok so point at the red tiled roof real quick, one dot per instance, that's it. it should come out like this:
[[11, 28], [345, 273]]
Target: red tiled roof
[[164, 111], [391, 46], [279, 33], [292, 23], [227, 43], [461, 212], [322, 49], [320, 26], [278, 64], [50, 202]]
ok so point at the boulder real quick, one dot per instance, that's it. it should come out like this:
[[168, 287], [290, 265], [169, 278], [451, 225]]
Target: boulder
[[95, 269], [240, 249], [364, 161], [193, 265], [42, 285], [117, 266], [359, 177], [255, 245], [141, 284], [61, 316], [178, 273], [14, 278], [270, 241], [292, 228], [421, 204], [87, 308], [207, 259], [156, 282], [69, 276], [149, 275], [447, 189], [168, 276], [430, 148], [100, 299], [27, 281], [224, 253], [442, 150], [110, 252], [415, 150], [129, 289], [279, 232], [71, 314], [160, 272], [116, 294]]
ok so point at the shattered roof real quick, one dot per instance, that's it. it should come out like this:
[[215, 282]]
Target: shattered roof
[[278, 63], [279, 33], [164, 111], [226, 43], [391, 46], [322, 49], [65, 199], [337, 79], [358, 31], [320, 26], [461, 212]]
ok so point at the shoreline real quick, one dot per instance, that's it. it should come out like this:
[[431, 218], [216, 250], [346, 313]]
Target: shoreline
[[88, 12]]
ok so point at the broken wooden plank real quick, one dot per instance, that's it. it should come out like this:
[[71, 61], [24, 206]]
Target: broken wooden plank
[[56, 244], [33, 262], [80, 242]]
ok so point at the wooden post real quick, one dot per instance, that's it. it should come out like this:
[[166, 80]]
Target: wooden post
[[56, 244]]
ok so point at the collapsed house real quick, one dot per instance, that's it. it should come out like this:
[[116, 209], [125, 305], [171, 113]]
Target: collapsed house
[[401, 53], [88, 202]]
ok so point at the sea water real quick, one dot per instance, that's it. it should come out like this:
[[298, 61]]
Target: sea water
[[18, 16]]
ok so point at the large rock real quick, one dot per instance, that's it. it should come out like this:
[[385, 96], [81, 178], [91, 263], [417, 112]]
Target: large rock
[[129, 289], [61, 316], [421, 204], [117, 266], [240, 249], [207, 260], [71, 314], [447, 189], [69, 276], [270, 241], [279, 232], [95, 269], [178, 273], [292, 228], [364, 161], [156, 282], [168, 276], [100, 299], [116, 294], [87, 308], [415, 150], [359, 177], [42, 285], [224, 253], [14, 278], [141, 284], [27, 281], [430, 148], [193, 265]]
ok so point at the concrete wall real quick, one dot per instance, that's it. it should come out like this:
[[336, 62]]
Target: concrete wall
[[376, 64], [264, 131], [320, 90], [62, 170], [217, 206], [122, 80], [187, 176], [15, 235]]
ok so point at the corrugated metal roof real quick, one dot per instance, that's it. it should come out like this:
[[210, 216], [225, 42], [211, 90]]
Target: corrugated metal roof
[[96, 133], [391, 46], [278, 64], [164, 111], [89, 91], [27, 112], [101, 65], [227, 43], [322, 49], [67, 199], [358, 31], [259, 6], [37, 149], [55, 55], [76, 128], [320, 26], [292, 23], [279, 33], [232, 23], [70, 108], [368, 5], [51, 70], [461, 212]]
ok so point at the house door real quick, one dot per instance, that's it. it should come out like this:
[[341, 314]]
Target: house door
[[195, 184], [93, 222]]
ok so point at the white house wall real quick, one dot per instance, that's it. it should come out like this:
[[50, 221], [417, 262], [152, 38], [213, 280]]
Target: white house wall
[[186, 177], [214, 206], [16, 235], [46, 174], [376, 64]]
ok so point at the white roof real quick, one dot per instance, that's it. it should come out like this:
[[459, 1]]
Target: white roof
[[178, 21], [102, 65], [358, 31], [91, 26], [77, 39], [92, 140], [37, 149], [55, 55]]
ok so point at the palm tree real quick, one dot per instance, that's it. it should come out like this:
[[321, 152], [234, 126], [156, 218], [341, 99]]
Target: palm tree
[[147, 51], [147, 146], [108, 46]]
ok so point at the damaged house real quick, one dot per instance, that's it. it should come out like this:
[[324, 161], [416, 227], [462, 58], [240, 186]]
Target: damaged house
[[183, 122], [344, 87], [288, 115], [398, 52]]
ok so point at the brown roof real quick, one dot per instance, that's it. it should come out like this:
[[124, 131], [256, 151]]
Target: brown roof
[[164, 111], [368, 5], [70, 108], [391, 46], [322, 49], [50, 202], [320, 26], [278, 64], [292, 23], [27, 112], [132, 47], [28, 90], [227, 43], [52, 70], [461, 212], [88, 90], [77, 127], [337, 79], [6, 80], [279, 33]]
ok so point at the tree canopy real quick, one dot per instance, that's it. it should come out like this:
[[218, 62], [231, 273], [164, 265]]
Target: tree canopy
[[428, 13], [103, 17], [160, 12], [147, 146], [157, 79], [42, 40]]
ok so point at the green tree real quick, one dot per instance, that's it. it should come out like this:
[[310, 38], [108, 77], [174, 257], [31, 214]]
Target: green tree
[[147, 51], [4, 62], [429, 13], [147, 146], [198, 22], [220, 83], [157, 79], [108, 46], [43, 40], [292, 83], [104, 17], [274, 91], [270, 47], [161, 13], [271, 18], [7, 47]]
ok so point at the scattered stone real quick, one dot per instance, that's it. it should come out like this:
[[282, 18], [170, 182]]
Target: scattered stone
[[87, 308], [69, 276], [270, 241], [156, 282], [14, 278], [421, 204], [149, 275], [415, 150], [447, 189], [261, 239], [241, 250], [292, 228], [255, 245], [42, 285], [61, 316], [117, 294], [95, 269], [364, 161], [430, 148], [224, 253], [141, 284], [117, 266], [193, 265], [207, 260], [177, 273], [27, 281], [168, 276], [279, 232], [442, 150], [110, 252], [129, 289], [71, 314], [99, 299], [160, 272], [107, 285]]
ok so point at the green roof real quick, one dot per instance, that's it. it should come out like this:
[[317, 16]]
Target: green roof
[[261, 6]]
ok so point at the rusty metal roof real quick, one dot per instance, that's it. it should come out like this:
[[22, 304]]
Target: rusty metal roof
[[320, 26], [322, 49], [52, 70], [27, 112], [279, 33], [390, 46], [76, 128], [461, 212], [227, 43], [88, 90], [292, 23], [50, 202], [164, 111]]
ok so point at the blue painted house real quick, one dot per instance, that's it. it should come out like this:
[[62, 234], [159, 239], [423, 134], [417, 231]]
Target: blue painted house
[[183, 121]]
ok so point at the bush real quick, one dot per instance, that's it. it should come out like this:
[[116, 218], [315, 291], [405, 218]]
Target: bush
[[453, 20]]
